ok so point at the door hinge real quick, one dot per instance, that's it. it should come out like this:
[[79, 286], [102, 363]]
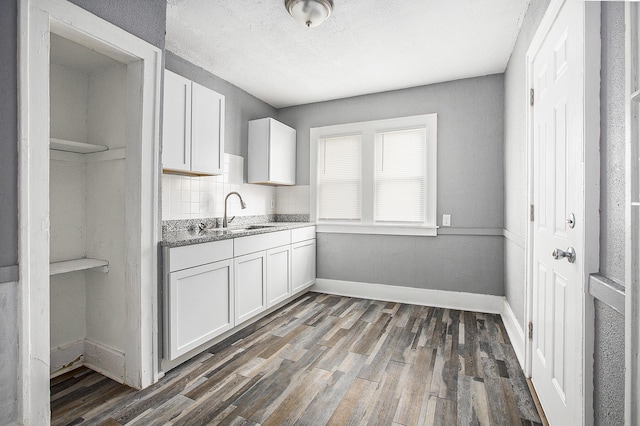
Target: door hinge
[[531, 213], [530, 330], [531, 97]]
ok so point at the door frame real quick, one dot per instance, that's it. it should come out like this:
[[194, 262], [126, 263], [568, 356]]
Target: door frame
[[36, 20], [632, 214], [590, 181]]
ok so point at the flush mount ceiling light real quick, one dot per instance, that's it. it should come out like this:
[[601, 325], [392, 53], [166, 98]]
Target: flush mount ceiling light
[[310, 13]]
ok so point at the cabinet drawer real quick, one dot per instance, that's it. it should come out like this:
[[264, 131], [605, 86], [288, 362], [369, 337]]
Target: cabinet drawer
[[178, 258], [302, 234], [254, 243]]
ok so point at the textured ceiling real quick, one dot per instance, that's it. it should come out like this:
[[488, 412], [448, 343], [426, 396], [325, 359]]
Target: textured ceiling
[[366, 46]]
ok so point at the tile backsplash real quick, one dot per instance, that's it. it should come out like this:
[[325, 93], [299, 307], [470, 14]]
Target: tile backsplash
[[192, 197]]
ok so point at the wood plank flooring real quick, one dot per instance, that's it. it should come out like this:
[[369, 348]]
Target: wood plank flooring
[[326, 360]]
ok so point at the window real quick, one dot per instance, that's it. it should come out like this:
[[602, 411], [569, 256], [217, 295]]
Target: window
[[340, 178], [375, 177]]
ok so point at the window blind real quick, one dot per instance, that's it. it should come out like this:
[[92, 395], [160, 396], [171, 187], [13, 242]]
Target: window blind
[[340, 178], [401, 176]]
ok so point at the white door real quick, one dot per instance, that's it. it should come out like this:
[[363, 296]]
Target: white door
[[207, 130], [278, 274], [250, 279], [303, 265], [200, 306], [176, 124], [557, 286]]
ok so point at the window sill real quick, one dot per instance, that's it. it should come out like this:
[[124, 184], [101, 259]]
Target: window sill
[[350, 228]]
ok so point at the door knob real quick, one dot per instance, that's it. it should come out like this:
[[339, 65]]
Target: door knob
[[570, 254]]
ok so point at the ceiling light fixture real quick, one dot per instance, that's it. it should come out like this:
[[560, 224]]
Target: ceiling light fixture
[[310, 13]]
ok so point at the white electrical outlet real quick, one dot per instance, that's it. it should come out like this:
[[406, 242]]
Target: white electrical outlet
[[446, 220], [273, 203]]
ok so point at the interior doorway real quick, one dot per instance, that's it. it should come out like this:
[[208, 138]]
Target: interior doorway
[[562, 241], [89, 218]]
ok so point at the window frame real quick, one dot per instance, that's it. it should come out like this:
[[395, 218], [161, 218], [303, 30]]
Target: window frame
[[368, 130]]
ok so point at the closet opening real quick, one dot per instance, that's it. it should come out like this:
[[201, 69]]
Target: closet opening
[[87, 168]]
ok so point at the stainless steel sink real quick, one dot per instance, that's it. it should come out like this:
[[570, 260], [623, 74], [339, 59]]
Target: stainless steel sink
[[234, 230]]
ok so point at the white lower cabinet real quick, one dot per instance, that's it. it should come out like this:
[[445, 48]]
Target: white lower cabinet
[[200, 306], [250, 285], [211, 288], [278, 275], [303, 265]]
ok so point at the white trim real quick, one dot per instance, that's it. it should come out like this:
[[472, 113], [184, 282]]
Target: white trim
[[416, 296], [37, 18], [67, 357], [632, 219], [608, 292], [514, 238], [484, 232], [515, 332], [591, 188], [105, 360], [377, 229], [368, 130]]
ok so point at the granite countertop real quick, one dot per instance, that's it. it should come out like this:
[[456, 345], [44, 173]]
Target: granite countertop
[[196, 236]]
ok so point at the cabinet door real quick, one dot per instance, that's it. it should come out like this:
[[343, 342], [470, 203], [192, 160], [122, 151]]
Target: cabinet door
[[176, 124], [250, 278], [200, 306], [282, 154], [278, 274], [303, 265], [207, 131]]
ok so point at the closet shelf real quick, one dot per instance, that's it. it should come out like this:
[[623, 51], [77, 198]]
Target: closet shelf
[[72, 146], [78, 265]]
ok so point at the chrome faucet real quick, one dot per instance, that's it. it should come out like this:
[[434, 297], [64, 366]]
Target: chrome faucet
[[242, 204]]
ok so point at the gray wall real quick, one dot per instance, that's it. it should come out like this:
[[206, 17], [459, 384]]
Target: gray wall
[[612, 142], [146, 19], [471, 264], [8, 352], [240, 106], [8, 134], [608, 366], [515, 160], [8, 209], [609, 324], [470, 188]]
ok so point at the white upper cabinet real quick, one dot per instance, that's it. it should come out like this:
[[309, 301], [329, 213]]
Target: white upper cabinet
[[176, 129], [193, 127], [272, 152]]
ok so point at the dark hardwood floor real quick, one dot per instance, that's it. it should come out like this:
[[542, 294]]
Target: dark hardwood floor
[[326, 360]]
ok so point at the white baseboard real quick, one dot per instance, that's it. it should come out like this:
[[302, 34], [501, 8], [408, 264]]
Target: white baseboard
[[66, 358], [417, 296], [105, 360], [515, 332]]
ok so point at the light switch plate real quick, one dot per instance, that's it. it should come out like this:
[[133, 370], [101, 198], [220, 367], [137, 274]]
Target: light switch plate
[[446, 220]]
